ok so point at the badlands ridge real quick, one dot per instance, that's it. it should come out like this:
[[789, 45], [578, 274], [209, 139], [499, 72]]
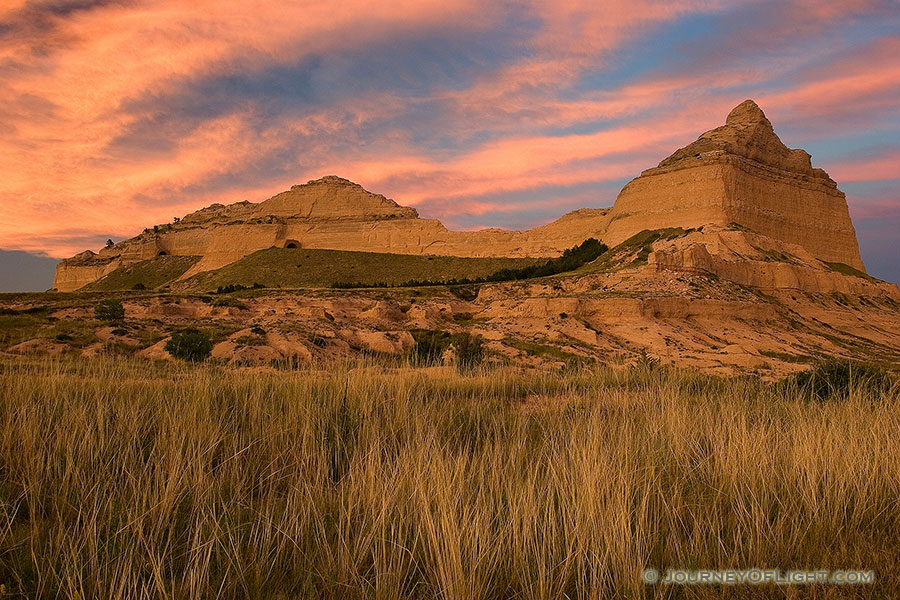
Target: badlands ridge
[[738, 173], [733, 255]]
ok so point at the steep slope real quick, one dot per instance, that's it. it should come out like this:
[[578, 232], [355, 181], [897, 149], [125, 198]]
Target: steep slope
[[722, 300]]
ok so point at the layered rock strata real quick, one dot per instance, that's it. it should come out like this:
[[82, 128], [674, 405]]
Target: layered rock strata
[[741, 173]]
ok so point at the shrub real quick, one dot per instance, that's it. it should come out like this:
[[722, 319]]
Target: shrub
[[229, 302], [835, 378], [469, 350], [430, 344], [236, 287], [190, 344], [250, 340], [645, 361], [109, 309]]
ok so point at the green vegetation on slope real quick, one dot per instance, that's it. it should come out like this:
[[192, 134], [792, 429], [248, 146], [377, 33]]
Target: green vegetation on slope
[[307, 267], [547, 350], [846, 269], [634, 251], [128, 480], [145, 275], [571, 259]]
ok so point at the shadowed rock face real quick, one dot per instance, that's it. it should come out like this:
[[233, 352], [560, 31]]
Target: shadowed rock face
[[741, 173]]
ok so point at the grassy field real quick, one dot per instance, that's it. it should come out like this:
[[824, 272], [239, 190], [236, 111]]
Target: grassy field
[[302, 267], [123, 480]]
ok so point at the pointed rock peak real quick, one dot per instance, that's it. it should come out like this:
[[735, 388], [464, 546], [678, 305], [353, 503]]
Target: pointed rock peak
[[747, 112], [748, 134]]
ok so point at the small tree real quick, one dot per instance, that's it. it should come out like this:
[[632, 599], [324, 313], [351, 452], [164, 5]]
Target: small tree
[[190, 344], [109, 309]]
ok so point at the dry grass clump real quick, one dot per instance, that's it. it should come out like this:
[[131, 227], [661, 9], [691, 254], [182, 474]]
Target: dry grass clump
[[119, 480]]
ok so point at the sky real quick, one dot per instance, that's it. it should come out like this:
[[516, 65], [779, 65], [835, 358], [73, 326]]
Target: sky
[[120, 114]]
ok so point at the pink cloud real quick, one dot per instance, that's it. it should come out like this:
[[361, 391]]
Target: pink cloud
[[880, 206], [885, 166]]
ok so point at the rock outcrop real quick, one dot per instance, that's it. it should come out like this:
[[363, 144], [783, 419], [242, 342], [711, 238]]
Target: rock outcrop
[[741, 173]]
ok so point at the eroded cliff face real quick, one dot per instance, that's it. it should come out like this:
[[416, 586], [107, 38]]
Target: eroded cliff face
[[741, 173], [82, 269]]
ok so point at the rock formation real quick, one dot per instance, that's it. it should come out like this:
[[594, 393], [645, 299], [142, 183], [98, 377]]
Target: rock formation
[[740, 173], [330, 213]]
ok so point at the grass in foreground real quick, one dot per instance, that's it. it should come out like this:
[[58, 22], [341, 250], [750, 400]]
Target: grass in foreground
[[119, 480]]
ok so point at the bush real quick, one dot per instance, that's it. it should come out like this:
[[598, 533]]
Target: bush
[[190, 344], [835, 378], [109, 309], [249, 340], [469, 350], [237, 287], [431, 345]]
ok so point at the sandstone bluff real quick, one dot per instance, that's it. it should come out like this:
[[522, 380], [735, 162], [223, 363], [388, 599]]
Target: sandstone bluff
[[740, 173]]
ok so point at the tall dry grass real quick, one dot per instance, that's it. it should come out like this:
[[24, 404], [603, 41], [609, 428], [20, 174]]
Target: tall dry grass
[[122, 480]]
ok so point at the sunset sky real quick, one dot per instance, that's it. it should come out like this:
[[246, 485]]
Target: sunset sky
[[118, 114]]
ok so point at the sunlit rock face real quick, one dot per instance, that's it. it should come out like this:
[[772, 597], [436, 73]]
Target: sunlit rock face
[[741, 173]]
